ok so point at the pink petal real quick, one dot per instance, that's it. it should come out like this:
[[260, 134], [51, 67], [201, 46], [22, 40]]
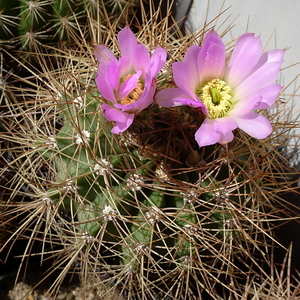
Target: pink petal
[[158, 60], [225, 125], [185, 79], [264, 98], [127, 42], [103, 54], [207, 135], [141, 58], [227, 138], [123, 119], [211, 58], [176, 97], [143, 102], [257, 126], [125, 66], [214, 131], [268, 96], [264, 73], [246, 54], [104, 87], [128, 85], [112, 75], [191, 61]]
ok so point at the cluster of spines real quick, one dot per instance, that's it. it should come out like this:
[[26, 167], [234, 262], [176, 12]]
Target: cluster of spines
[[26, 24]]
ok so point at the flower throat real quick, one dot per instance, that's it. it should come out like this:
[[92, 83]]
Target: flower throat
[[217, 96], [134, 95]]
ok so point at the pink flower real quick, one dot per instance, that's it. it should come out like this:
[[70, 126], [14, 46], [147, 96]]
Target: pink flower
[[226, 90], [128, 83]]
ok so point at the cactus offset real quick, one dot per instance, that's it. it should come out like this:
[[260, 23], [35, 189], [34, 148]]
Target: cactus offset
[[28, 23]]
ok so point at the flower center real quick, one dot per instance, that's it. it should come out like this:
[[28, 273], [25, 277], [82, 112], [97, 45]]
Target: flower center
[[134, 95], [217, 96]]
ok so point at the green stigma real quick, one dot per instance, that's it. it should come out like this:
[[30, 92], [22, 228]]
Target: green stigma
[[217, 96]]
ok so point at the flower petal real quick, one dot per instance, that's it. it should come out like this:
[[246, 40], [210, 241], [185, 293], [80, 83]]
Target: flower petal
[[113, 75], [215, 131], [257, 126], [158, 59], [211, 58], [127, 42], [227, 138], [185, 79], [268, 96], [105, 88], [123, 119], [206, 134], [191, 61], [141, 58], [264, 73], [225, 125], [125, 66], [246, 54], [176, 97], [103, 54], [143, 102], [128, 85]]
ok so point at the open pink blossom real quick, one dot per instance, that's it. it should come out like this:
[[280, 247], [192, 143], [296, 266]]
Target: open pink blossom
[[128, 83], [226, 89]]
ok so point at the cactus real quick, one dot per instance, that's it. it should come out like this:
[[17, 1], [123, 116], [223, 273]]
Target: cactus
[[26, 24], [148, 212]]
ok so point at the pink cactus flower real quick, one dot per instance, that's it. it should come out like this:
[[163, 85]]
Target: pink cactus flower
[[227, 90], [128, 84]]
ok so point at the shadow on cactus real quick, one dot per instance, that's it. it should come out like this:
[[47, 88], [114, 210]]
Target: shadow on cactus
[[147, 210]]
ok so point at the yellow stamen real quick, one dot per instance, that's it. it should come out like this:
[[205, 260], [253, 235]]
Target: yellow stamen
[[217, 96], [134, 95]]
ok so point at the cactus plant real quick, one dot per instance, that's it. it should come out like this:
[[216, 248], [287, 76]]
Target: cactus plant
[[24, 25], [147, 212]]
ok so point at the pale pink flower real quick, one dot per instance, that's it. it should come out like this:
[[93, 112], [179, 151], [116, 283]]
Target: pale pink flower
[[127, 84], [227, 90]]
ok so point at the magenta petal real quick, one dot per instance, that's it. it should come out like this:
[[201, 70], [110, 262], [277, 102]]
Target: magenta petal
[[269, 96], [225, 125], [176, 97], [191, 60], [128, 85], [127, 42], [207, 135], [123, 119], [157, 60], [143, 102], [211, 58], [227, 138], [244, 106], [184, 78], [125, 66], [264, 98], [141, 58], [257, 126], [104, 87], [264, 73], [112, 75], [246, 54], [214, 131], [103, 54]]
